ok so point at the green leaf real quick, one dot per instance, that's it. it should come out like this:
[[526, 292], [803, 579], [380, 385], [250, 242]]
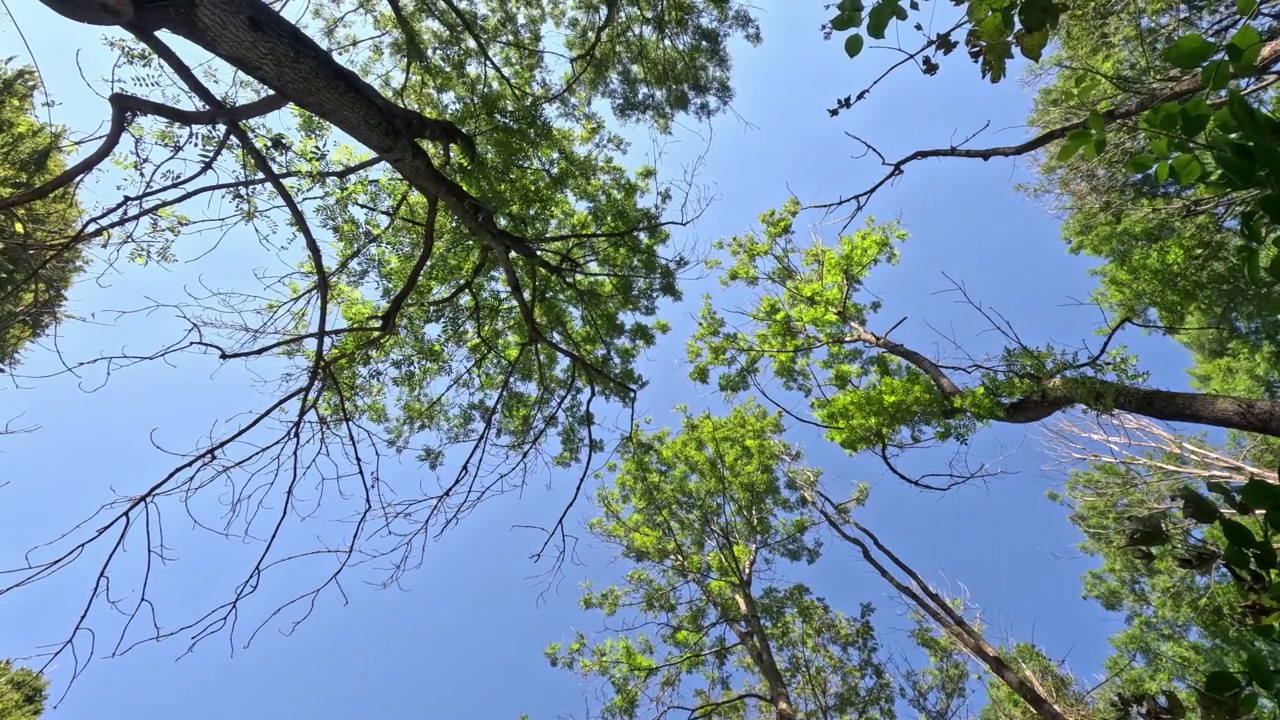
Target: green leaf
[[1251, 223], [1036, 15], [844, 21], [1216, 75], [1237, 557], [900, 12], [1186, 168], [1221, 683], [1162, 171], [1242, 112], [1032, 44], [1237, 533], [1197, 507], [1192, 120], [853, 45], [878, 19], [1098, 146], [1270, 204], [1096, 122], [1071, 145], [1260, 495], [1244, 48], [1239, 163], [1264, 555], [1189, 51], [1246, 7], [1139, 164], [1251, 256]]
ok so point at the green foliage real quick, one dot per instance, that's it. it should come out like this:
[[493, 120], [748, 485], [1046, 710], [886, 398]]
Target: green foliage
[[475, 307], [38, 259], [708, 520], [1177, 205], [645, 74], [1182, 566], [808, 330], [22, 692], [995, 29], [940, 689], [1175, 199], [477, 360], [1051, 679]]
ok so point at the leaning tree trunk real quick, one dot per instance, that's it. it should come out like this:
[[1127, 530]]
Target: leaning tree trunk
[[255, 39], [1224, 411], [1057, 394]]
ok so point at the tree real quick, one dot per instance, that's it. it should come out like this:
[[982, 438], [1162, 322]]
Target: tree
[[1139, 493], [1155, 130], [708, 519], [1014, 685], [37, 263], [867, 392], [1172, 250], [474, 301], [808, 329], [941, 689], [22, 692]]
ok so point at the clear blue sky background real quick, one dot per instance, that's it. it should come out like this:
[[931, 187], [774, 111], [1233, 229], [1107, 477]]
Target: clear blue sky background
[[466, 637]]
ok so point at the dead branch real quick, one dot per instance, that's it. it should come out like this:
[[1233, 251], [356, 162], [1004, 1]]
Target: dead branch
[[1148, 450], [928, 601]]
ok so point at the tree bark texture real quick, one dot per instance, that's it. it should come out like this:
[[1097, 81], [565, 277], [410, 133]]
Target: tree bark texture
[[1224, 411], [254, 38]]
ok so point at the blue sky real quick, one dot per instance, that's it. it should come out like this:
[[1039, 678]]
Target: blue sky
[[466, 636]]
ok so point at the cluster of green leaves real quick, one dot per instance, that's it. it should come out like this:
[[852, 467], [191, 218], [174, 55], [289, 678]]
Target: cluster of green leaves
[[708, 519], [995, 29], [1054, 683], [1237, 529], [941, 688], [1188, 571], [1175, 198], [475, 360], [1248, 551], [1224, 149], [22, 692], [808, 330], [38, 260], [1172, 200]]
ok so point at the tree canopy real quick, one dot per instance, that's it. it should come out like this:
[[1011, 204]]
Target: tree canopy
[[37, 264], [22, 692], [467, 270]]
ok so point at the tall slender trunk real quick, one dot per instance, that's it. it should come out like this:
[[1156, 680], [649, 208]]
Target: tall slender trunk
[[937, 609], [757, 643]]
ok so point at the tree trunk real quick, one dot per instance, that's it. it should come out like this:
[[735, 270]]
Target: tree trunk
[[757, 644], [254, 38], [1224, 411], [947, 619]]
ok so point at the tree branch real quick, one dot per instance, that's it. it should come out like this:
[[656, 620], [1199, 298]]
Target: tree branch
[[1183, 88], [123, 107], [928, 602]]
